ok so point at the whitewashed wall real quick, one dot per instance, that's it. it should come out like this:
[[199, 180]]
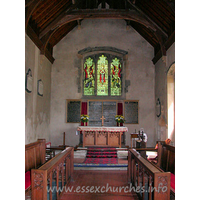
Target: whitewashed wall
[[140, 71], [161, 69], [37, 108]]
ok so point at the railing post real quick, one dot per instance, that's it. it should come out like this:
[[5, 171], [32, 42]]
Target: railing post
[[42, 177], [72, 164], [129, 167], [159, 153], [158, 181], [57, 182], [50, 185], [143, 182], [162, 185], [150, 186], [39, 184]]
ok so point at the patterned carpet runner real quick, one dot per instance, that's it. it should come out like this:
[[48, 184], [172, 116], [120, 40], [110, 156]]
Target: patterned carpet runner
[[101, 156]]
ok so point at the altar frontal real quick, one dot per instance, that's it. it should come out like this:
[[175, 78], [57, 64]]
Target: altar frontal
[[102, 136]]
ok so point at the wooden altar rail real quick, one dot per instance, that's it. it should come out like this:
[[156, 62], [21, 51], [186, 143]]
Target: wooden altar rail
[[147, 178], [58, 170]]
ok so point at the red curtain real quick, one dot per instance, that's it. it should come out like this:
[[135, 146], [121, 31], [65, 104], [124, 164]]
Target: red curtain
[[84, 111], [120, 110]]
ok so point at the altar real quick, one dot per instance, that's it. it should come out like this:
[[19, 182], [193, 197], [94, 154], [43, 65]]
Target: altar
[[102, 136]]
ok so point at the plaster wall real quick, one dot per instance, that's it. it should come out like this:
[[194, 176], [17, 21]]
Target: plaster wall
[[161, 69], [65, 72], [37, 108]]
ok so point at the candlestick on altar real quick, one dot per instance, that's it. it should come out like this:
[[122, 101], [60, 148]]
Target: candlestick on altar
[[102, 118]]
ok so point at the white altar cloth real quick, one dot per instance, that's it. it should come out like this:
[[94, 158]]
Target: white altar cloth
[[103, 128]]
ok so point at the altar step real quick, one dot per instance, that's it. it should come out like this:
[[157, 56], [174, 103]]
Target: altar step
[[101, 154], [101, 158]]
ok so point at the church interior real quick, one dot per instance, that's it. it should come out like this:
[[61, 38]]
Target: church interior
[[100, 99]]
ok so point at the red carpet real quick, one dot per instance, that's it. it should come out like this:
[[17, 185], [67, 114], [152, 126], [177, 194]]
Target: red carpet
[[101, 161], [101, 156]]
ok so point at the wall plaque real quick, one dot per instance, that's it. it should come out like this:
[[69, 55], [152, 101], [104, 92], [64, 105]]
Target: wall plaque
[[131, 112], [73, 111], [97, 109], [109, 112], [40, 87], [95, 113], [29, 81]]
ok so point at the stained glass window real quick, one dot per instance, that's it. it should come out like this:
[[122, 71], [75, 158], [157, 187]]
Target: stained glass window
[[102, 76], [115, 77], [89, 77]]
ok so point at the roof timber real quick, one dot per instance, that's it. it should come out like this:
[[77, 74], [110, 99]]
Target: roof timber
[[51, 20], [148, 18], [99, 14]]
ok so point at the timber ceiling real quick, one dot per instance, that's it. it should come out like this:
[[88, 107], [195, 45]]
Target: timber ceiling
[[48, 21]]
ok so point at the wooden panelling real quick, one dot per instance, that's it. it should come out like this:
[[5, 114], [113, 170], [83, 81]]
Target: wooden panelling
[[35, 154], [166, 157]]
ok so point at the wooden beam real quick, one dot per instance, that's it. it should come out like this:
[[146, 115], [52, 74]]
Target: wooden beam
[[167, 45], [60, 17], [33, 36], [62, 32], [48, 56], [161, 42], [28, 2], [148, 19], [171, 4], [98, 14], [46, 39], [30, 9], [143, 32]]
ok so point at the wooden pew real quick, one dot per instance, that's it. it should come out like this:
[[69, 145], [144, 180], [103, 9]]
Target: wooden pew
[[148, 178], [166, 161], [166, 157], [34, 158], [58, 170], [49, 152]]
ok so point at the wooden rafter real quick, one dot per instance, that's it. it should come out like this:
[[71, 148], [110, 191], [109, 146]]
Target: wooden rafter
[[45, 40], [51, 20], [145, 33], [30, 10], [98, 14], [148, 19], [28, 2], [56, 20], [171, 4], [39, 43]]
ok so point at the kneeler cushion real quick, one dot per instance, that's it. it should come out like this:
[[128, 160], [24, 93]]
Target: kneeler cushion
[[27, 179], [173, 181]]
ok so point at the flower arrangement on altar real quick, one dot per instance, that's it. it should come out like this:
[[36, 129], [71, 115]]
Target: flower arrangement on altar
[[119, 118], [84, 118]]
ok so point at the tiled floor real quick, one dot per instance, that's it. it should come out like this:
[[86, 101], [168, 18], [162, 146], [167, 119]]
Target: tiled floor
[[99, 185]]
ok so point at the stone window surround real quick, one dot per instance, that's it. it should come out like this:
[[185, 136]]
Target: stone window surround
[[95, 53]]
